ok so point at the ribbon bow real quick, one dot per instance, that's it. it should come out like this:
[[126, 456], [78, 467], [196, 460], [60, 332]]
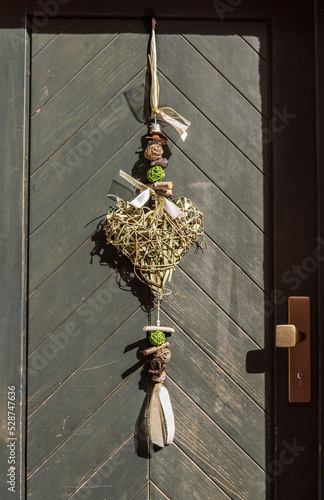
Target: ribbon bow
[[140, 200], [168, 114]]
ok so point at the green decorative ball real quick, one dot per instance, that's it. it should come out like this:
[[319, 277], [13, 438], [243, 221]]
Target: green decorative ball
[[155, 174], [157, 338]]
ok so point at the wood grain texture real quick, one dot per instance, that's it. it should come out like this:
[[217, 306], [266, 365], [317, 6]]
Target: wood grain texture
[[255, 34], [225, 223], [214, 332], [44, 35], [92, 444], [84, 390], [67, 54], [13, 241], [80, 157], [65, 291], [240, 298], [88, 403], [77, 338], [82, 211], [155, 493], [175, 464], [218, 158], [214, 452], [243, 124], [231, 56], [224, 401], [118, 477], [64, 115], [142, 493]]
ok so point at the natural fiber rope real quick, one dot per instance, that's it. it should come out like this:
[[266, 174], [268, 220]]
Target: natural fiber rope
[[152, 240]]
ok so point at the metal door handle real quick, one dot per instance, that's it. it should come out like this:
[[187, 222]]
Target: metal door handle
[[296, 336]]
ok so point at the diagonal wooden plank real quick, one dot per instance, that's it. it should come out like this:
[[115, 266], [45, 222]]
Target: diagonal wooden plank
[[93, 444], [87, 205], [219, 159], [176, 475], [256, 34], [224, 222], [43, 34], [214, 452], [60, 295], [77, 338], [231, 56], [212, 94], [156, 493], [214, 331], [80, 157], [85, 390], [218, 395], [142, 493], [239, 297], [90, 201], [86, 94], [68, 53], [118, 477]]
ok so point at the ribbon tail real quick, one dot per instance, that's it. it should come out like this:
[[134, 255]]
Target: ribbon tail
[[154, 419], [141, 199], [172, 209], [131, 180], [167, 114], [179, 127], [167, 414]]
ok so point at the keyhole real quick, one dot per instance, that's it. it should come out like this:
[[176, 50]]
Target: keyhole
[[300, 376]]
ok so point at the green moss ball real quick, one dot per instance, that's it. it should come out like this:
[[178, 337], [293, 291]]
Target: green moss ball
[[157, 338], [155, 174]]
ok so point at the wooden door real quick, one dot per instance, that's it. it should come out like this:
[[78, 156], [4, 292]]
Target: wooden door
[[75, 110], [89, 88]]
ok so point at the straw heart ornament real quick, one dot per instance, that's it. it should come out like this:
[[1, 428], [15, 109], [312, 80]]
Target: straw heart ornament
[[155, 231]]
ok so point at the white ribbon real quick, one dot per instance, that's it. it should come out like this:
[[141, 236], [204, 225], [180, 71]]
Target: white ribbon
[[160, 417], [172, 209], [144, 196], [168, 413], [169, 206], [141, 199], [168, 114]]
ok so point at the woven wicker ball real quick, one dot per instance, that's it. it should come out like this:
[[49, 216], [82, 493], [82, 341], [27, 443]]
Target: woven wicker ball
[[153, 152], [163, 355], [157, 338], [155, 174]]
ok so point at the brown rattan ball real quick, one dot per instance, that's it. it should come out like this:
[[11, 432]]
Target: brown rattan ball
[[163, 355], [153, 152]]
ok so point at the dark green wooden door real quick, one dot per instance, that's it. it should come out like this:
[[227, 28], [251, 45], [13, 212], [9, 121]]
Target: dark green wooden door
[[85, 399]]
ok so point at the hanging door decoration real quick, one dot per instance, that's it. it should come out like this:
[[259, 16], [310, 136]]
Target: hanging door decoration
[[155, 231]]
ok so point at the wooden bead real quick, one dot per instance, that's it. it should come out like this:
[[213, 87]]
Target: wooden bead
[[162, 185], [152, 350], [155, 128], [165, 329], [164, 192]]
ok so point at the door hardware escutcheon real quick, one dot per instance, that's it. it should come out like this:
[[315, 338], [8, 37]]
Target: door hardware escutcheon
[[296, 337]]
